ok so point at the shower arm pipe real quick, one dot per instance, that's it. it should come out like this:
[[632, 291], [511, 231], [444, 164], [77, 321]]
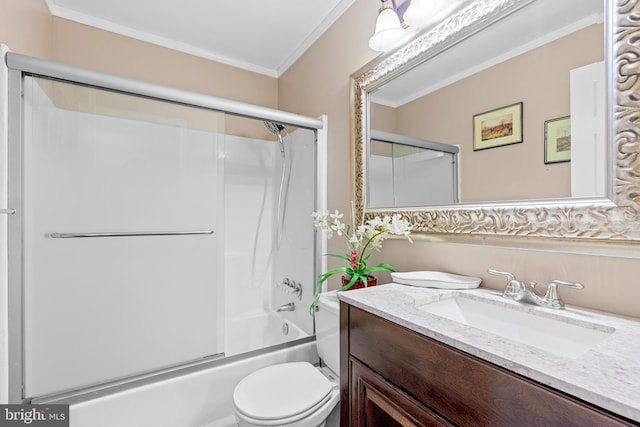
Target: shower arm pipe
[[45, 68], [129, 234]]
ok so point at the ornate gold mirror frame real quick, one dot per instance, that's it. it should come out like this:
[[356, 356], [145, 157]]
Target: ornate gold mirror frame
[[612, 219]]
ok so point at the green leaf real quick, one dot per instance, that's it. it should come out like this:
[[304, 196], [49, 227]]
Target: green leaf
[[381, 267], [323, 278], [389, 267], [354, 279]]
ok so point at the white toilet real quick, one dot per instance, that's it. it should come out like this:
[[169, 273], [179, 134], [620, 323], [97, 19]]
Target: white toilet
[[296, 394]]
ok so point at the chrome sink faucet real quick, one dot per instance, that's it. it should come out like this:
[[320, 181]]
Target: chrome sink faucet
[[525, 292]]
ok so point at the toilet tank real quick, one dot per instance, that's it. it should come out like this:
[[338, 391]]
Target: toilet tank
[[328, 330]]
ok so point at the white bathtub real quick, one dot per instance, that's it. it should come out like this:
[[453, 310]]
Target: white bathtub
[[199, 399], [260, 330]]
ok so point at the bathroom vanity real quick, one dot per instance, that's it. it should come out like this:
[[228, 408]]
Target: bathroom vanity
[[403, 365]]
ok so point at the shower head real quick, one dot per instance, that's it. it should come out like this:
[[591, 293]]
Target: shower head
[[276, 129], [273, 127]]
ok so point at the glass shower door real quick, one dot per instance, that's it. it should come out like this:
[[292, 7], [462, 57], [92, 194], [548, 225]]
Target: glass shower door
[[122, 236]]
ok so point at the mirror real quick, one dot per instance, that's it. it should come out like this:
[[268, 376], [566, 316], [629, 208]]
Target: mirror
[[525, 68], [580, 199]]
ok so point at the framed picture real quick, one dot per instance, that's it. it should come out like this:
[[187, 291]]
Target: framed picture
[[499, 127], [557, 140]]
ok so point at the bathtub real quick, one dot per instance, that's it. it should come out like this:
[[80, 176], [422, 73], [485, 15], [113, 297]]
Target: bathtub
[[202, 398], [261, 330]]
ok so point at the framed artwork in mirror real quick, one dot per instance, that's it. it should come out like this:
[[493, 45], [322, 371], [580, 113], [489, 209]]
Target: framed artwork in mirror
[[557, 140], [495, 128]]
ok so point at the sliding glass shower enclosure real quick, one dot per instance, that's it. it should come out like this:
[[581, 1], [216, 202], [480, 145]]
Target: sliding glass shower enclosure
[[154, 229]]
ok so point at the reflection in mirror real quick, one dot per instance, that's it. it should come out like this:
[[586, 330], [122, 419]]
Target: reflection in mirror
[[503, 212], [411, 172], [549, 57]]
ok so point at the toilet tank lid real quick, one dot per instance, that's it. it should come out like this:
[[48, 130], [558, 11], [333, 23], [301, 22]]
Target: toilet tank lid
[[329, 301]]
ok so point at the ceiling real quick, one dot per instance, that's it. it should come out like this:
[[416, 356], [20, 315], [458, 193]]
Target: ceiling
[[264, 36]]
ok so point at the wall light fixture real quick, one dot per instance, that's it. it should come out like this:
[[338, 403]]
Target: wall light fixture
[[388, 29]]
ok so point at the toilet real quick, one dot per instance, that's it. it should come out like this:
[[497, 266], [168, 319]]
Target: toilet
[[296, 394]]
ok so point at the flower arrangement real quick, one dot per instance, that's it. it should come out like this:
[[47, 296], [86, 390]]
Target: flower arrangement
[[361, 239]]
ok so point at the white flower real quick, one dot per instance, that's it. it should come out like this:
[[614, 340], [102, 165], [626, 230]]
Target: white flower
[[376, 243], [365, 237], [320, 219], [399, 226], [338, 227], [355, 238], [336, 216], [363, 230], [375, 222]]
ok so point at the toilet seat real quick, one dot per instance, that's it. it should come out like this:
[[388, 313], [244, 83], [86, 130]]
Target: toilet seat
[[282, 394]]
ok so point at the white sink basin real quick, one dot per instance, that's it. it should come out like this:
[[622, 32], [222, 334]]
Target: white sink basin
[[557, 336]]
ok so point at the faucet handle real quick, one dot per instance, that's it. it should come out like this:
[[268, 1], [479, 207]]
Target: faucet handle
[[508, 275], [552, 292], [514, 287]]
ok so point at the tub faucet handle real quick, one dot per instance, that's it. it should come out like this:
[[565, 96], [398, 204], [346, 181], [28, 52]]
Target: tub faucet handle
[[291, 287]]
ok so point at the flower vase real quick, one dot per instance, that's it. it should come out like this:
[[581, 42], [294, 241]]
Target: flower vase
[[371, 281]]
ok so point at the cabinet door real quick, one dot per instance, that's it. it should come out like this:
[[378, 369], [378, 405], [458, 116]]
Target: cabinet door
[[376, 402]]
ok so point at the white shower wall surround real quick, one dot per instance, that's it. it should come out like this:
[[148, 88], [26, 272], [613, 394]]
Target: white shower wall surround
[[252, 178], [115, 311]]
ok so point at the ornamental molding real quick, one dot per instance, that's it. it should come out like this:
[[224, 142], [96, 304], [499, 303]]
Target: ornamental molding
[[584, 219]]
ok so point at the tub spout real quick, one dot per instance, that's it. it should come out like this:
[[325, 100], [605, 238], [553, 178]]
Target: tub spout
[[286, 307]]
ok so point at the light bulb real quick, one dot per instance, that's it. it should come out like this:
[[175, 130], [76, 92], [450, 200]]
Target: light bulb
[[388, 30]]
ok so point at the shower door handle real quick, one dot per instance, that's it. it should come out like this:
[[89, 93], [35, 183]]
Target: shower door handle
[[7, 211]]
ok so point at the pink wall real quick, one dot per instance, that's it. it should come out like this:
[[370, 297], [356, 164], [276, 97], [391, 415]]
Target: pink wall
[[318, 84]]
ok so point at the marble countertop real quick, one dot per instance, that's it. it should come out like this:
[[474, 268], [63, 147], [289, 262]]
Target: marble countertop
[[607, 375]]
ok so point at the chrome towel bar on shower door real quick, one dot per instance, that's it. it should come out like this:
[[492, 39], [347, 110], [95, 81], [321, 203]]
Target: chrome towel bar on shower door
[[7, 211], [129, 234]]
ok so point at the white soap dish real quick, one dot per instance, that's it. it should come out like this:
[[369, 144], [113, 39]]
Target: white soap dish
[[436, 279]]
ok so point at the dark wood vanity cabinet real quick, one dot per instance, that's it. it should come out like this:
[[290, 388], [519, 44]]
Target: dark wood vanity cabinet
[[392, 376], [375, 402]]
